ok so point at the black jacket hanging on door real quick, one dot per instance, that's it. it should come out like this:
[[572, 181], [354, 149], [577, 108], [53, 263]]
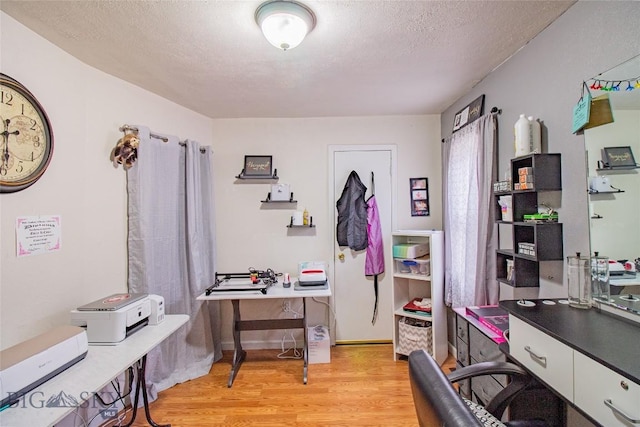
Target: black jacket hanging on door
[[352, 214]]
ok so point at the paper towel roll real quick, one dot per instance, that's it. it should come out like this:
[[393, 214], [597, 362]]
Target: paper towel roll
[[297, 218]]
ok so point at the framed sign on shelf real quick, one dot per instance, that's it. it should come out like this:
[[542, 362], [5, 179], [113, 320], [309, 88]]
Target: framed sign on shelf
[[419, 188], [618, 157], [258, 166]]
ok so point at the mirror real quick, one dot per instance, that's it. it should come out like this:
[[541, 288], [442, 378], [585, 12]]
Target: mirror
[[613, 154]]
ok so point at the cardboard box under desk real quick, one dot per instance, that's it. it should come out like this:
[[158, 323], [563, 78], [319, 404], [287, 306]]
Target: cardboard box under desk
[[319, 343]]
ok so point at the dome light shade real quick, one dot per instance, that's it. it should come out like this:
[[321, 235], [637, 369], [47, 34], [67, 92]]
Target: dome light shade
[[285, 23]]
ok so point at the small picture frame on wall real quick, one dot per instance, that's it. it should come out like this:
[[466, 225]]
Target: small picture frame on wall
[[618, 157], [469, 114], [258, 166], [419, 188]]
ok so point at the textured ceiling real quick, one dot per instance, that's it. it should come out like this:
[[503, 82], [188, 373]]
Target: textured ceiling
[[366, 57]]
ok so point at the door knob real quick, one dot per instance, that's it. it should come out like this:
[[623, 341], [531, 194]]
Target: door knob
[[341, 256]]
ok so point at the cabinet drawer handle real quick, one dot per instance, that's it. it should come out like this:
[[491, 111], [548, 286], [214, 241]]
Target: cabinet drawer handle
[[610, 404], [540, 359]]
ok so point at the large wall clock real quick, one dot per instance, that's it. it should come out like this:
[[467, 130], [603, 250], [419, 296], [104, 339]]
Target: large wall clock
[[27, 139]]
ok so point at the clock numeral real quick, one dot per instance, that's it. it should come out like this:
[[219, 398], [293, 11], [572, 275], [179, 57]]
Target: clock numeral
[[20, 168], [6, 98], [33, 122], [3, 170]]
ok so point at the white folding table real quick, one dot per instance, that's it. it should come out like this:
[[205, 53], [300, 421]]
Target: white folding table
[[87, 377]]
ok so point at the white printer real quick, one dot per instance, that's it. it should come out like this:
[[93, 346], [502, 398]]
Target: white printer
[[110, 320]]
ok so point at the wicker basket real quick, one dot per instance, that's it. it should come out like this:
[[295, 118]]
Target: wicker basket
[[412, 338]]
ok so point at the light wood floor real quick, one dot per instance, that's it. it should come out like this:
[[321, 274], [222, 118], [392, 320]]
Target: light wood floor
[[362, 386]]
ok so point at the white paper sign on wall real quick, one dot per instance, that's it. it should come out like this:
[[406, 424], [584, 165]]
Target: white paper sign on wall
[[38, 234]]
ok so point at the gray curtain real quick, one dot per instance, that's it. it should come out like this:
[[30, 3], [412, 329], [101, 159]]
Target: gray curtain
[[171, 247], [469, 170]]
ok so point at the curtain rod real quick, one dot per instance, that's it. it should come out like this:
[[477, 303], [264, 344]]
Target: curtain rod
[[494, 110], [135, 129], [124, 128]]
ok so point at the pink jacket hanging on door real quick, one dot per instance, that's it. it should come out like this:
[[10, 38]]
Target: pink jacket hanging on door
[[374, 263]]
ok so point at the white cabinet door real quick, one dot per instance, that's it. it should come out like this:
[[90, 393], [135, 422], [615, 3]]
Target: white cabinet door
[[608, 397], [546, 357]]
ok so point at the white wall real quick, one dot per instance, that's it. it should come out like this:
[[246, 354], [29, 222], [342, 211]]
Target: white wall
[[86, 107], [252, 234]]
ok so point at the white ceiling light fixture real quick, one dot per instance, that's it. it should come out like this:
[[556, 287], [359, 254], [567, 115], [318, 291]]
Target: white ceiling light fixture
[[285, 23]]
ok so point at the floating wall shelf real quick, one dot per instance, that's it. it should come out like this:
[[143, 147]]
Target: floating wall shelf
[[617, 168], [310, 225], [272, 177], [268, 200], [605, 192]]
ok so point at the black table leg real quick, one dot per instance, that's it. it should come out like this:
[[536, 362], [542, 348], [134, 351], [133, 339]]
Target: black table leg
[[305, 345], [238, 353], [141, 386]]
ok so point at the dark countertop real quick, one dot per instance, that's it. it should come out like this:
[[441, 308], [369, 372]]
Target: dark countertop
[[610, 340]]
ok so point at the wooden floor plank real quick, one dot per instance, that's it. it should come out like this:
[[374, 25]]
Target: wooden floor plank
[[362, 386]]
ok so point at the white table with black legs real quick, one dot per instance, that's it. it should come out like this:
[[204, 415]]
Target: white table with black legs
[[276, 291], [87, 377]]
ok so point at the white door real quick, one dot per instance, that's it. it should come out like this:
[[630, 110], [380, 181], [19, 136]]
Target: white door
[[354, 295]]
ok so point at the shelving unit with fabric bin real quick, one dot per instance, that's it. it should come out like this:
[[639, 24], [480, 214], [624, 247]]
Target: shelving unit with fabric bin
[[418, 278]]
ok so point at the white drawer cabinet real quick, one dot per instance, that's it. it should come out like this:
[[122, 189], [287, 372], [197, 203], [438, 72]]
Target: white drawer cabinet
[[594, 384], [591, 358], [546, 357]]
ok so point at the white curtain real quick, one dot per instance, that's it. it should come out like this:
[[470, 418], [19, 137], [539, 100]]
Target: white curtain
[[469, 170], [171, 247]]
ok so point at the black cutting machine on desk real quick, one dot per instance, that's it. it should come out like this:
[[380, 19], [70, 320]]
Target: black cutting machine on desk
[[252, 281]]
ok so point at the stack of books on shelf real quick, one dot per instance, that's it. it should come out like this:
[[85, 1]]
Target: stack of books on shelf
[[421, 306], [492, 317]]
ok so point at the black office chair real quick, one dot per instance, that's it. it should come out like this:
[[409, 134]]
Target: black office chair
[[439, 404]]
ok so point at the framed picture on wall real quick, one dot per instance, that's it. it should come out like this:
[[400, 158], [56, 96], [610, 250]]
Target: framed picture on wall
[[419, 188], [468, 114], [618, 157], [258, 166]]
